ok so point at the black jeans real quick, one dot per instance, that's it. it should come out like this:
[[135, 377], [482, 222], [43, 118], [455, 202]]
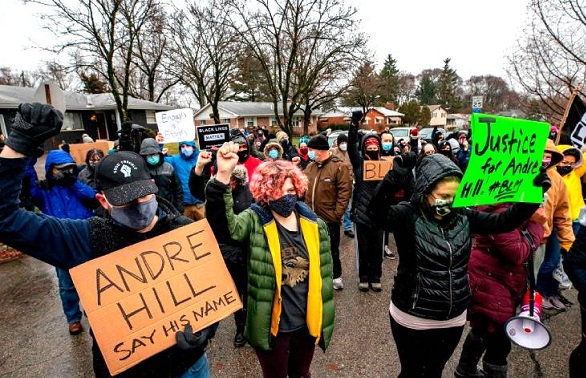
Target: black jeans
[[575, 268], [424, 353], [334, 229], [370, 253]]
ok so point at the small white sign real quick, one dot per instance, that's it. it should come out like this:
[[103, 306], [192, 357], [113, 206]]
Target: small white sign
[[477, 102], [176, 125]]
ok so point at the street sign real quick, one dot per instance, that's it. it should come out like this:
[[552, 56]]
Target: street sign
[[477, 104]]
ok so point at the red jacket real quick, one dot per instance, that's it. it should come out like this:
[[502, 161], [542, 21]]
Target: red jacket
[[496, 271]]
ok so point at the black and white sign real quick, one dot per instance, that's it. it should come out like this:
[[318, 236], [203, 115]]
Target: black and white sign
[[212, 135]]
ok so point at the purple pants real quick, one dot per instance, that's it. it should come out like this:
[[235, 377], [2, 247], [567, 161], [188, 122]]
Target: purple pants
[[290, 356]]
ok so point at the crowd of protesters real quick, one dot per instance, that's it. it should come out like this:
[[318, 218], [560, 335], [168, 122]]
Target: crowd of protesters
[[278, 211]]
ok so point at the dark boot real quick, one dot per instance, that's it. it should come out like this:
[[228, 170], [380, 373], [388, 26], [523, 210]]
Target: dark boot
[[240, 319], [494, 371], [472, 350]]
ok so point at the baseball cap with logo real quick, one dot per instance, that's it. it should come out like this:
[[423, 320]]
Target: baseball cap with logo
[[123, 177]]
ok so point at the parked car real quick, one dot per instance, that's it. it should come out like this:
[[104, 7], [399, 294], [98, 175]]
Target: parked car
[[401, 132], [425, 133], [334, 135]]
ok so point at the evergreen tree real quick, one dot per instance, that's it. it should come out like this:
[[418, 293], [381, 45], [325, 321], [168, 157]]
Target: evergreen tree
[[389, 80], [447, 89]]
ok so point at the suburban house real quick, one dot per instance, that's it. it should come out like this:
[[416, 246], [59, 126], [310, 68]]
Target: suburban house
[[439, 116], [248, 115], [376, 118], [458, 121], [92, 114]]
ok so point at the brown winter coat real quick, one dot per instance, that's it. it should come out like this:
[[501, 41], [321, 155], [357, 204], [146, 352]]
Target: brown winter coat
[[329, 190]]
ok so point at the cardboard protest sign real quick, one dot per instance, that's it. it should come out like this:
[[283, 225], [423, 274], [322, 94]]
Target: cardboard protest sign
[[176, 125], [79, 150], [375, 170], [138, 297], [505, 158], [212, 135]]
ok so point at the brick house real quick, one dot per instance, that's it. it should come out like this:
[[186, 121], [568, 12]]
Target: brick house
[[248, 115], [377, 118], [95, 114]]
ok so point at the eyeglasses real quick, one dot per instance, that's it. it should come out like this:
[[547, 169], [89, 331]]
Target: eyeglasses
[[429, 152]]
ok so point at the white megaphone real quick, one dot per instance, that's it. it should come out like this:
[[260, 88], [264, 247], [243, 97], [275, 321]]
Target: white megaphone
[[526, 329]]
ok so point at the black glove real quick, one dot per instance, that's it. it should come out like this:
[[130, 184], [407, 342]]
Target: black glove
[[187, 340], [404, 163], [34, 123], [563, 251], [542, 180], [357, 117]]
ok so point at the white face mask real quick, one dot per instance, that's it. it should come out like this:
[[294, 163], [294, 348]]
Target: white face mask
[[343, 146]]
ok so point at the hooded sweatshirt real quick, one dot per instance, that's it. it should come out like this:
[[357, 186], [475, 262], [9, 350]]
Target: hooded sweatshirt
[[53, 199], [573, 182], [557, 203], [183, 165]]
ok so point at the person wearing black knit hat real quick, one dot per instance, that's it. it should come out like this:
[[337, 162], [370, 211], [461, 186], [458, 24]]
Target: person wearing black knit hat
[[328, 194], [341, 152]]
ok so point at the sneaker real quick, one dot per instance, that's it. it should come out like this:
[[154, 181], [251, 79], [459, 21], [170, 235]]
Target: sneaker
[[376, 286], [75, 328], [556, 303], [560, 276], [338, 283], [349, 233], [388, 253], [363, 286]]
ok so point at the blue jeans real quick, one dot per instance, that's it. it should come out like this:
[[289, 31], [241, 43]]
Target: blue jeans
[[546, 284], [347, 221], [69, 297], [201, 369]]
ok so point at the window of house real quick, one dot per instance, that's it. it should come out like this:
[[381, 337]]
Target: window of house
[[250, 122], [296, 122], [72, 121], [366, 120], [391, 121], [443, 115], [150, 116], [226, 120], [274, 121], [378, 121], [434, 115]]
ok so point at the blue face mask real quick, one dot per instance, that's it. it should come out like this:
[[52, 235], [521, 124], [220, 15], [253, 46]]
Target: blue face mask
[[387, 146], [187, 151], [273, 154], [311, 155], [153, 159], [137, 216]]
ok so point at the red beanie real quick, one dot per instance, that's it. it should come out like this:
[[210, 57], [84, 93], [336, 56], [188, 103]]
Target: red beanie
[[414, 133]]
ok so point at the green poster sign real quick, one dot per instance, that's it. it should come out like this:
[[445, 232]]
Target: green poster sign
[[505, 158]]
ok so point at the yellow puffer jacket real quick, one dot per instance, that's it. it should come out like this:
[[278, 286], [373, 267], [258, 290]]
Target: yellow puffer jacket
[[573, 182]]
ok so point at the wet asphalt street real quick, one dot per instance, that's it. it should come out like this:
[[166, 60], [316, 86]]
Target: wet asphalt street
[[34, 341]]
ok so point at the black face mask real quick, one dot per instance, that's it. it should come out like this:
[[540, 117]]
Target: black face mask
[[242, 156], [371, 155], [564, 170], [64, 178], [446, 153]]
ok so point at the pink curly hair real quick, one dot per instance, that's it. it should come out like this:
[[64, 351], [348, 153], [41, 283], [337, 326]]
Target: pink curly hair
[[269, 177]]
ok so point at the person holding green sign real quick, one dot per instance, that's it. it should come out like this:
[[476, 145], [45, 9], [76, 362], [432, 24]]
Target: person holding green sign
[[431, 292]]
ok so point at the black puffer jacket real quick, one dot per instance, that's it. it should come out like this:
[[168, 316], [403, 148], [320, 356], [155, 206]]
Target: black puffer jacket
[[431, 280], [363, 190]]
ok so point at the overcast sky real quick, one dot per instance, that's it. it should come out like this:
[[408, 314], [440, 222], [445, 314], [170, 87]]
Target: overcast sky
[[419, 34]]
